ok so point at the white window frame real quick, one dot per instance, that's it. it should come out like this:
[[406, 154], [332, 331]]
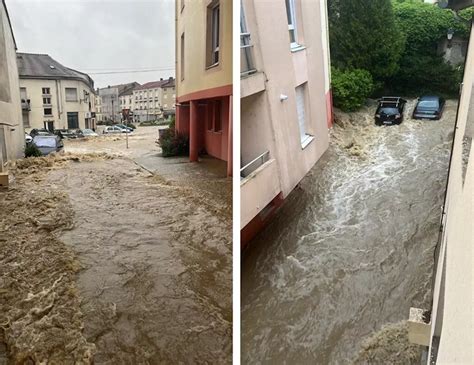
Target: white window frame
[[301, 112], [215, 30], [292, 27]]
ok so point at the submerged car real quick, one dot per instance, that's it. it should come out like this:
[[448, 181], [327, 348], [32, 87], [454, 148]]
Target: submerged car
[[48, 144], [68, 133], [124, 128], [88, 133], [40, 132], [429, 107], [112, 130], [390, 110]]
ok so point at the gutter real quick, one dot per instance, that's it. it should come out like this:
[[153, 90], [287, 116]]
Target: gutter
[[10, 24]]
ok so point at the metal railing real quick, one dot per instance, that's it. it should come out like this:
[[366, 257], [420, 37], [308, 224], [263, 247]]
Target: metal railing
[[254, 164], [247, 65]]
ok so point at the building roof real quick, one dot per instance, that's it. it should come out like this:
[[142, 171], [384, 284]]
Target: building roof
[[155, 84], [42, 66]]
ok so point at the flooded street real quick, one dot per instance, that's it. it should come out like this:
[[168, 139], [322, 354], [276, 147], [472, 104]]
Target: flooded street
[[352, 247], [153, 255]]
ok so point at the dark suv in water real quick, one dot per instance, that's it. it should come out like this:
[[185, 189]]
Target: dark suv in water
[[429, 107], [390, 110]]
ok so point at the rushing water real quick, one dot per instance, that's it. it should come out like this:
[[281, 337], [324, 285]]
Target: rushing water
[[352, 247], [157, 263]]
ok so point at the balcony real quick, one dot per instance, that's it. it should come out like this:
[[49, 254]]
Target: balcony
[[259, 185], [25, 105]]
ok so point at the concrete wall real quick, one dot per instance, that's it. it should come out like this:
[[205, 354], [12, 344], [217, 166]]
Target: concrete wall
[[192, 21], [452, 312], [12, 138], [60, 107], [269, 123]]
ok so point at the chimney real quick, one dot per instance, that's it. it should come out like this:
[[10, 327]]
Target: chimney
[[170, 79], [161, 79]]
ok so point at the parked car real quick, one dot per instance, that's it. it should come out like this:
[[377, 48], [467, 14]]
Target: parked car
[[28, 138], [124, 128], [88, 133], [48, 144], [429, 107], [112, 130], [390, 110], [67, 133], [40, 132]]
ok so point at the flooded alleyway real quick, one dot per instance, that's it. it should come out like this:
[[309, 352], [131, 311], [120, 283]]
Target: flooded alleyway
[[352, 247]]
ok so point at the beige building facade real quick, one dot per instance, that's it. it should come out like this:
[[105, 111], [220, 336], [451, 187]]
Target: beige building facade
[[57, 97], [448, 331], [12, 138], [286, 102], [151, 100], [204, 77]]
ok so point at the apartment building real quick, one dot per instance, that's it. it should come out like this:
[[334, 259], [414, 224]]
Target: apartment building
[[286, 104], [12, 138], [204, 77], [447, 329], [58, 97], [98, 107], [110, 97], [152, 99]]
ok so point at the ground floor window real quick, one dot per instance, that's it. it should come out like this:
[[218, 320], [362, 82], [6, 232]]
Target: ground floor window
[[301, 109]]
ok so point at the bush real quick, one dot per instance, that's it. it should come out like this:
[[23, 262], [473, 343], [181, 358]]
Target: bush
[[32, 151], [351, 88], [173, 143]]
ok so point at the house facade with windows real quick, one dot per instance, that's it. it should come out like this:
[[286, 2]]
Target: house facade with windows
[[204, 77], [12, 138], [58, 97], [286, 105], [110, 97], [151, 100]]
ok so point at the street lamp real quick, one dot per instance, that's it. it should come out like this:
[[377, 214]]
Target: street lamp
[[450, 35]]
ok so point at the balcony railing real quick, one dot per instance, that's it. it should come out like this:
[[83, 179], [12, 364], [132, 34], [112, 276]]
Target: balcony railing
[[254, 164], [247, 65], [25, 105]]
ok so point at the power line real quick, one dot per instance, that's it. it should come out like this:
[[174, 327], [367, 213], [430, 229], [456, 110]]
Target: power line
[[130, 71]]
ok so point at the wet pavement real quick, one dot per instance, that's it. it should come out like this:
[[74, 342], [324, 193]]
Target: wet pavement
[[352, 247]]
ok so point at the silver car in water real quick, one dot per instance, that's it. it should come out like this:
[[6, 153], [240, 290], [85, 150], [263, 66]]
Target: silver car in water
[[48, 144]]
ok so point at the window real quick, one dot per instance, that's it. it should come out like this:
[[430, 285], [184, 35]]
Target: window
[[182, 57], [47, 101], [214, 122], [291, 15], [301, 113], [46, 91], [48, 112], [71, 94], [213, 28]]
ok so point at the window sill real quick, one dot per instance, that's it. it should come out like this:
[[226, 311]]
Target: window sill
[[212, 66], [306, 141], [297, 48], [72, 101]]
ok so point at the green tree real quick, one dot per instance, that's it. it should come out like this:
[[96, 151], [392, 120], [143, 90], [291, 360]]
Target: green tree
[[422, 68], [351, 88], [363, 35]]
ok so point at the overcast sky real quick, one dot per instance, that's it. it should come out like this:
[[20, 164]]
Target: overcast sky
[[99, 36]]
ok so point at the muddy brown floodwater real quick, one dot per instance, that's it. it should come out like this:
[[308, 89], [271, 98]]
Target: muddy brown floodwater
[[352, 248], [156, 279]]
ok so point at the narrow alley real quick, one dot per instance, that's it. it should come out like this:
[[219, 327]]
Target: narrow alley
[[352, 248]]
